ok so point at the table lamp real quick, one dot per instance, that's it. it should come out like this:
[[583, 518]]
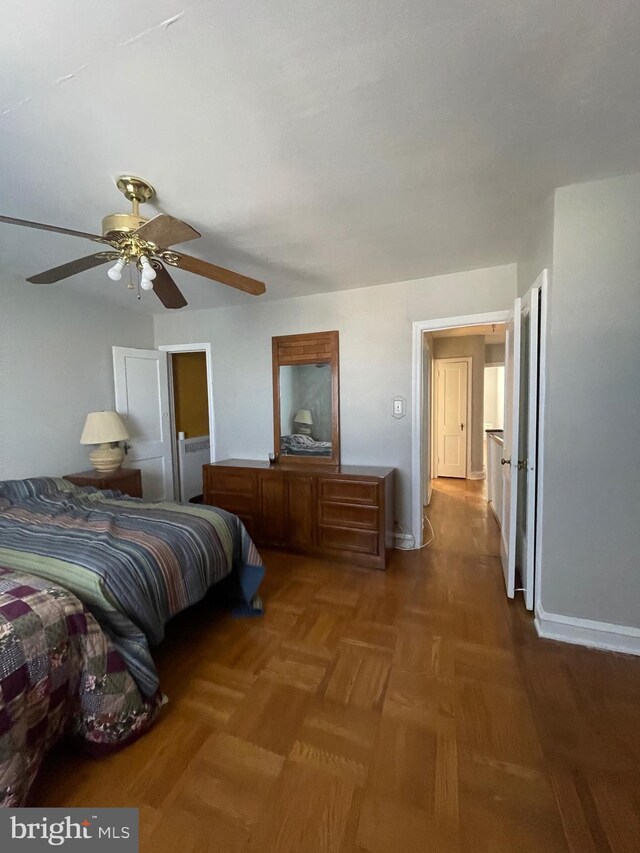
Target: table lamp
[[304, 421], [103, 428]]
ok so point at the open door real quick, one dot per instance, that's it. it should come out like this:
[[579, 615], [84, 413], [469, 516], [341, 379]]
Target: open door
[[528, 440], [142, 400], [510, 459]]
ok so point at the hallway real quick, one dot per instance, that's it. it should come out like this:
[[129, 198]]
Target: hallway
[[412, 711]]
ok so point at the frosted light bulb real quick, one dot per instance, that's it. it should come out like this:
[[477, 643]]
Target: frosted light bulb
[[146, 284], [115, 273], [147, 270]]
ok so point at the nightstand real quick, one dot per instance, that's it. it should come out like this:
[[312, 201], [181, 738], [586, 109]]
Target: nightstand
[[126, 480]]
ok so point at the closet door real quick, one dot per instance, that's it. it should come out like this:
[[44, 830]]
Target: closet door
[[451, 417]]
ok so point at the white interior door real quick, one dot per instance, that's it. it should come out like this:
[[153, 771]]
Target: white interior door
[[527, 452], [142, 400], [510, 450], [451, 418], [426, 465]]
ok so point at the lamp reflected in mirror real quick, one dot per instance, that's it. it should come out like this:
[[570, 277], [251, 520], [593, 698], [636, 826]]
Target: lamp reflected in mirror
[[302, 422]]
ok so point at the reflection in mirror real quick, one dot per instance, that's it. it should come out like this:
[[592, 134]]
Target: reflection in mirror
[[306, 398], [305, 409]]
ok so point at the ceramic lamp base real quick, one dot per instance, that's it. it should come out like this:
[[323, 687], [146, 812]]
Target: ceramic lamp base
[[106, 459]]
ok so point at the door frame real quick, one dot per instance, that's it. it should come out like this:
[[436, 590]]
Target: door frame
[[206, 348], [434, 403], [417, 398]]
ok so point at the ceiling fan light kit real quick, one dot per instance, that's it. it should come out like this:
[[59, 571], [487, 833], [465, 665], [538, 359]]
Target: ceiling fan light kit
[[144, 243]]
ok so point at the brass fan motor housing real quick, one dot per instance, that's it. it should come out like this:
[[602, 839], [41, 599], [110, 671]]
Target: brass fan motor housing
[[121, 223]]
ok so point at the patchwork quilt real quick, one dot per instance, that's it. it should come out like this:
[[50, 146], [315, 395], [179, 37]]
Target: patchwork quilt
[[59, 675]]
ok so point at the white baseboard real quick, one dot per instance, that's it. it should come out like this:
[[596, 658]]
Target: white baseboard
[[476, 475], [585, 632], [403, 541]]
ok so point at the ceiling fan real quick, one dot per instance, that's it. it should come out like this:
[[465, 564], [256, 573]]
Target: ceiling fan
[[143, 244]]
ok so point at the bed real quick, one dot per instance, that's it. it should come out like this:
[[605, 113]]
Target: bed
[[59, 675], [131, 566], [303, 445]]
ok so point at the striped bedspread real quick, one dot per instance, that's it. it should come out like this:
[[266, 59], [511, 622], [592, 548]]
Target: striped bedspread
[[133, 564]]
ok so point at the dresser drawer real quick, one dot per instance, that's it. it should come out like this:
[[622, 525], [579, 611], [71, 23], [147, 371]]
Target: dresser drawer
[[348, 515], [237, 481], [237, 504], [348, 539], [348, 491]]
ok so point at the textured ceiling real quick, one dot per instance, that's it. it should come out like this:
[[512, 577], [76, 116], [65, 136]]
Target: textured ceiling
[[316, 145]]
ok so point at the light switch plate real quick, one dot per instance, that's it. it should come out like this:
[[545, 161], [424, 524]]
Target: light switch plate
[[399, 407]]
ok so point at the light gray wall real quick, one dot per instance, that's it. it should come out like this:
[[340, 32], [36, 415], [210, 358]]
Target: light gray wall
[[591, 517], [55, 367], [493, 353], [537, 252], [461, 347], [375, 326]]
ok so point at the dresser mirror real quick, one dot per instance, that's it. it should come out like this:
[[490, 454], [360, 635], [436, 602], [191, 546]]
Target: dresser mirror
[[306, 398]]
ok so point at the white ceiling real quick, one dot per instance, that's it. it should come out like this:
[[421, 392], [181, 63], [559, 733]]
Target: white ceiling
[[316, 145]]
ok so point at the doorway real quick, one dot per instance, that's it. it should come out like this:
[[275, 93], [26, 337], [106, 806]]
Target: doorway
[[192, 416], [454, 418], [190, 429], [425, 334], [519, 464], [163, 417]]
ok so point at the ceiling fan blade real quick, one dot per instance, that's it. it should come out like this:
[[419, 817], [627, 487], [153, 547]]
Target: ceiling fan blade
[[73, 267], [224, 276], [165, 230], [166, 289], [27, 224]]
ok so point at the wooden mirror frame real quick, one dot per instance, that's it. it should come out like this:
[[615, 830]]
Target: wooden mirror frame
[[312, 348]]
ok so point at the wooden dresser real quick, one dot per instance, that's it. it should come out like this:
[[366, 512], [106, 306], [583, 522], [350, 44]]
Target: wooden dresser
[[342, 512]]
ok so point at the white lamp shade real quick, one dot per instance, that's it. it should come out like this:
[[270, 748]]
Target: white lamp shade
[[303, 416], [102, 428]]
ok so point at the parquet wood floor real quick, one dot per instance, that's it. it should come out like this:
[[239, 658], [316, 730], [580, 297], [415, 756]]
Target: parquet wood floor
[[414, 710]]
